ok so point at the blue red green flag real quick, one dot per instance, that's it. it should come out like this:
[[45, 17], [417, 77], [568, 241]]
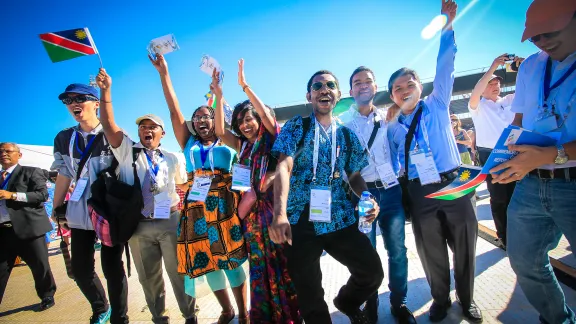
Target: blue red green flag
[[467, 180], [68, 44]]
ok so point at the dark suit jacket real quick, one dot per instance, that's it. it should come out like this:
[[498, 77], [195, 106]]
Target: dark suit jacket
[[29, 219]]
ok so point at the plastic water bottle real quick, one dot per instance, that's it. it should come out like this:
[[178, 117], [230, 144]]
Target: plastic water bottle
[[364, 206]]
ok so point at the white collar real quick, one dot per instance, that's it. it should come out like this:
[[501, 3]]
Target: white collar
[[11, 169]]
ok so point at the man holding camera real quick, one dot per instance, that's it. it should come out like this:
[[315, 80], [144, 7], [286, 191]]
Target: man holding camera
[[491, 115]]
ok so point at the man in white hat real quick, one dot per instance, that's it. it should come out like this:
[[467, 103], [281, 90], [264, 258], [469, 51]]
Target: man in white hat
[[159, 171]]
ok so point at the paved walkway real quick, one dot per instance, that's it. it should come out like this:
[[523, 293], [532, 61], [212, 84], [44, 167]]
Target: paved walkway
[[496, 290]]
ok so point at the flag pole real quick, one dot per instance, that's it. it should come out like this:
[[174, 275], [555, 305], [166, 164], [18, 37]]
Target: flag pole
[[93, 45]]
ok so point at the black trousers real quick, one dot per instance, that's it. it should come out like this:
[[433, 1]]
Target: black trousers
[[34, 252], [82, 249], [500, 196], [439, 224], [349, 247]]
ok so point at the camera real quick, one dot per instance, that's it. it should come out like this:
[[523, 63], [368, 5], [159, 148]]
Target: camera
[[510, 57]]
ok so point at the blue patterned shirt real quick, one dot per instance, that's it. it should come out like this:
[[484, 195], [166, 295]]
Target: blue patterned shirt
[[351, 159]]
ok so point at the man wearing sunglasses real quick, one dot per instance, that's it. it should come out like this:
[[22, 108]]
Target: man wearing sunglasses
[[542, 206], [371, 127], [84, 144], [158, 171], [312, 212]]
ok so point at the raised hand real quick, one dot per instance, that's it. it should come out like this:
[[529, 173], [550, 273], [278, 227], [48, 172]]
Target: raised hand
[[215, 86], [449, 8], [103, 80], [241, 77], [159, 63]]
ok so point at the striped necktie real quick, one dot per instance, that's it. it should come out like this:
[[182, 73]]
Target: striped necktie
[[148, 196]]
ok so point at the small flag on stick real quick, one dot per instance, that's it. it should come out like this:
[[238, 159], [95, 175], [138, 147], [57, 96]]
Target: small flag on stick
[[69, 44], [468, 179]]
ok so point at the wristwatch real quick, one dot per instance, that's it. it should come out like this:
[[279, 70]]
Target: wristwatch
[[14, 196], [562, 157]]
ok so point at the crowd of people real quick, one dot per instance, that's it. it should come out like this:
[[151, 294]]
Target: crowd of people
[[279, 197]]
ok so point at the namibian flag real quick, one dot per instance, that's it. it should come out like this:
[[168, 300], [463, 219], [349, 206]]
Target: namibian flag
[[468, 179], [210, 100], [68, 44]]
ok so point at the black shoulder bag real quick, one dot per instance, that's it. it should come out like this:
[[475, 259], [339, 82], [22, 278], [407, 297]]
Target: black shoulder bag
[[406, 201]]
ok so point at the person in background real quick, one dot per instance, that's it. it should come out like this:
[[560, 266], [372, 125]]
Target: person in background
[[472, 148], [273, 295], [491, 114], [210, 238], [24, 223], [463, 141], [542, 207]]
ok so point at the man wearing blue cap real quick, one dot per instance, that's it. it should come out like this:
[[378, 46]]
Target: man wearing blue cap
[[80, 153]]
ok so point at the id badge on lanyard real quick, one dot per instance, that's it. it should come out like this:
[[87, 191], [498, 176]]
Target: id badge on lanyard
[[83, 181], [242, 174], [200, 189], [425, 166], [387, 175], [162, 206], [320, 204], [321, 196]]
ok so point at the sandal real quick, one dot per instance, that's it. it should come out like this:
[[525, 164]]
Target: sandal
[[226, 317], [243, 320]]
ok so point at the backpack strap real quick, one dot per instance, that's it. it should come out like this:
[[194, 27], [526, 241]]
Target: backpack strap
[[410, 136], [306, 122], [88, 154], [373, 135]]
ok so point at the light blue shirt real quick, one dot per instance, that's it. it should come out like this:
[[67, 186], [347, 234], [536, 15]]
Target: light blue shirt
[[530, 96], [224, 156], [435, 117]]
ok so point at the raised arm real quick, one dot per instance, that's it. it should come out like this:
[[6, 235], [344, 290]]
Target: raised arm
[[178, 121], [483, 82], [113, 133], [225, 135], [267, 119], [280, 231], [444, 79]]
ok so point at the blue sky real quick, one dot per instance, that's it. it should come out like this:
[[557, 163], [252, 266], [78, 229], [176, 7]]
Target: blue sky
[[282, 42]]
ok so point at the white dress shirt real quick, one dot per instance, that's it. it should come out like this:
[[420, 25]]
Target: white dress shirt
[[20, 196], [172, 170], [490, 119]]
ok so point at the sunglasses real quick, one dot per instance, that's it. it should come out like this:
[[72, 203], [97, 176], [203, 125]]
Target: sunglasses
[[316, 86], [204, 118], [545, 35], [78, 99]]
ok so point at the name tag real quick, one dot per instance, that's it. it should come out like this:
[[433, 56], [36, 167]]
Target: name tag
[[81, 185], [320, 202], [241, 176], [425, 166], [546, 124], [387, 175], [162, 206], [200, 189]]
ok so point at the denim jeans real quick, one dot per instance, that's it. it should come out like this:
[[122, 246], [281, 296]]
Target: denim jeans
[[391, 220], [539, 213]]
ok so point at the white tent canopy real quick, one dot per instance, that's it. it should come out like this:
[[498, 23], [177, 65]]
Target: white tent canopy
[[37, 155]]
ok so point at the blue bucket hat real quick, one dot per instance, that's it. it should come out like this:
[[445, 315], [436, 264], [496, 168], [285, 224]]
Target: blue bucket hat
[[80, 89]]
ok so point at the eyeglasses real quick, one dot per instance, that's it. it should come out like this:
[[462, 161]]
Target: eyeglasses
[[204, 118], [316, 86], [7, 151], [78, 99], [149, 127], [536, 38]]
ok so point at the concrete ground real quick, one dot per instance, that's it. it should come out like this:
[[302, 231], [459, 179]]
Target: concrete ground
[[496, 290]]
